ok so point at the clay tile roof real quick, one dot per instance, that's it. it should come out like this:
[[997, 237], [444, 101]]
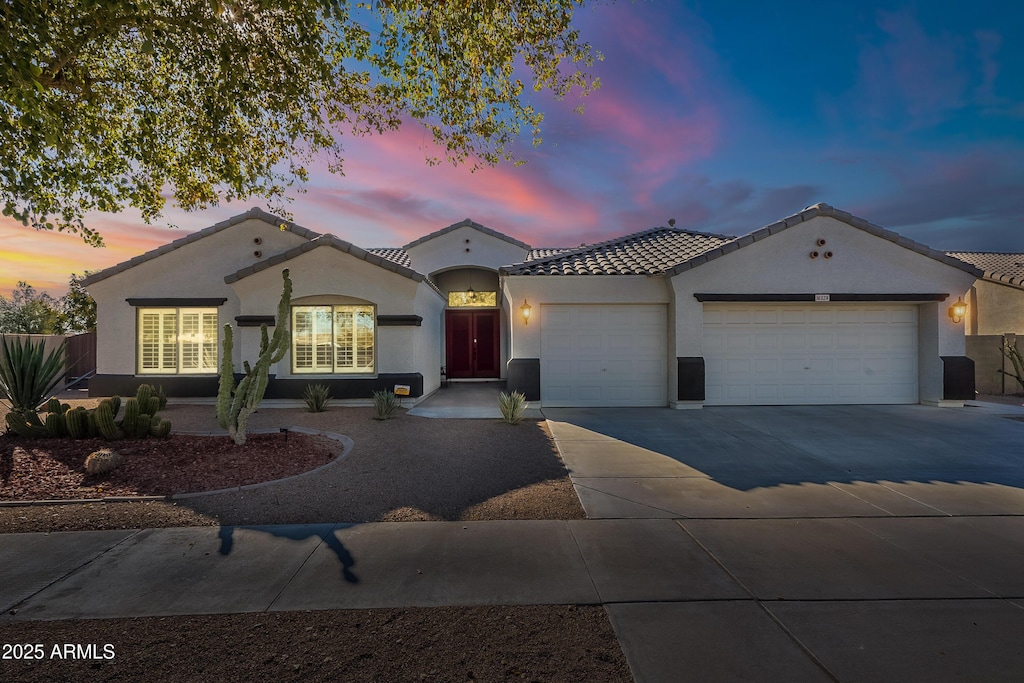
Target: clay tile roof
[[1004, 267], [650, 252], [395, 255]]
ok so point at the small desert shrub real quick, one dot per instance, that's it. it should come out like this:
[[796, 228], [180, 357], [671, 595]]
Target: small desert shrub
[[316, 396], [386, 404], [102, 461], [512, 406]]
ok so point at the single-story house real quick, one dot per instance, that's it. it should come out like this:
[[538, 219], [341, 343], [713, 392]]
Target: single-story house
[[995, 310], [821, 307]]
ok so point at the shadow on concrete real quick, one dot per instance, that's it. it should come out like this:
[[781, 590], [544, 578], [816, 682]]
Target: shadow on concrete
[[325, 533], [764, 446]]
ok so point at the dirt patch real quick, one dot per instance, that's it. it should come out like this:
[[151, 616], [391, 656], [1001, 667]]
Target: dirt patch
[[492, 643]]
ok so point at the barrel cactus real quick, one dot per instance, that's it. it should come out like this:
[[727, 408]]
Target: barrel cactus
[[103, 461]]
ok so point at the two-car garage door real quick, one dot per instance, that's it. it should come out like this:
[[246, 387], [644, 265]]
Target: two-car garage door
[[780, 354]]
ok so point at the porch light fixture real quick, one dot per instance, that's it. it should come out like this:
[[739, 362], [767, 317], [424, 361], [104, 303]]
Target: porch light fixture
[[958, 310], [525, 310], [470, 293]]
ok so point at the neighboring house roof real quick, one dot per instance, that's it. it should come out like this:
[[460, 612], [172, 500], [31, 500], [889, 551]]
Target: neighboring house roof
[[814, 212], [334, 243], [1003, 267], [467, 223], [253, 213], [650, 252], [399, 255]]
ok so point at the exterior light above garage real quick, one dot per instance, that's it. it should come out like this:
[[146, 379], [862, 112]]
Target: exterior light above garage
[[525, 310], [958, 310]]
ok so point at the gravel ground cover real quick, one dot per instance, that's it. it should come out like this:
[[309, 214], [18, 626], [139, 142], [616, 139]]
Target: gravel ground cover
[[405, 469]]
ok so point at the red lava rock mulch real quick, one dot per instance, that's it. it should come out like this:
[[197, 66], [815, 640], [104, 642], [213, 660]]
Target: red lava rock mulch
[[54, 469]]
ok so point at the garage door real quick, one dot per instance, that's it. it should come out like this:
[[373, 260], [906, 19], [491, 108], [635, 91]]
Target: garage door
[[777, 354], [603, 355]]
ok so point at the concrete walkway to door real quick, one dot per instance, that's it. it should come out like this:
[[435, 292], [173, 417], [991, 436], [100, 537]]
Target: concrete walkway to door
[[474, 400]]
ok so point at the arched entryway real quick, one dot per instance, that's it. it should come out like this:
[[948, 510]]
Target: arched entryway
[[472, 323]]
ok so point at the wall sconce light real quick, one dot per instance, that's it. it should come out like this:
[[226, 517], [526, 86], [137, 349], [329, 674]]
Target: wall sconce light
[[525, 310], [958, 310]]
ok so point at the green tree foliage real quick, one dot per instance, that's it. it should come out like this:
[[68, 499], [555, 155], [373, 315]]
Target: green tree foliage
[[29, 312], [77, 308], [112, 103]]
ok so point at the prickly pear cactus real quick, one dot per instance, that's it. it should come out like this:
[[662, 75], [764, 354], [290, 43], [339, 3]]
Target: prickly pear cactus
[[103, 461]]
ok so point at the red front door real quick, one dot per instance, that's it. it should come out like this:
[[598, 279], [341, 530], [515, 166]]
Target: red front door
[[471, 343]]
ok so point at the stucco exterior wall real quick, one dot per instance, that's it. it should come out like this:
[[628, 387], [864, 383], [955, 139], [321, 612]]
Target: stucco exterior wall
[[327, 275], [861, 263], [452, 250], [571, 289], [196, 269], [995, 309]]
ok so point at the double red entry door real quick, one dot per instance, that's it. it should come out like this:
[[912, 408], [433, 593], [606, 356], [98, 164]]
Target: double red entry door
[[471, 343]]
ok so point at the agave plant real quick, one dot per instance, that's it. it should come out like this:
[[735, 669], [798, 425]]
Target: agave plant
[[316, 396], [386, 404], [512, 406], [29, 374]]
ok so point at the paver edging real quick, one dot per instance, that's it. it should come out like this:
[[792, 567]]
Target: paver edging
[[346, 443]]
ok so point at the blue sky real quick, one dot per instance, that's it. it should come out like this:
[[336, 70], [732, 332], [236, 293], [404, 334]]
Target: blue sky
[[724, 115]]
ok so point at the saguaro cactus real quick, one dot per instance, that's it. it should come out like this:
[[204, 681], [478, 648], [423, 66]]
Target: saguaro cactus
[[236, 404]]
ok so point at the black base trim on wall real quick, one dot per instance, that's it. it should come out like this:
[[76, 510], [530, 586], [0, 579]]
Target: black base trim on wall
[[349, 387], [206, 386], [690, 378], [957, 378], [524, 377], [174, 385], [833, 298]]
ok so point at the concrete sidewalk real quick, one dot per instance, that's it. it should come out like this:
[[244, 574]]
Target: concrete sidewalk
[[771, 599]]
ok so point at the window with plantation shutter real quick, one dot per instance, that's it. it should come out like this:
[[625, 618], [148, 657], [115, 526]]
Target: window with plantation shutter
[[333, 339], [177, 341]]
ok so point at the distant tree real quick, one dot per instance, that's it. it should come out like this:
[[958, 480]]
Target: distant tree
[[77, 308], [29, 312], [108, 104]]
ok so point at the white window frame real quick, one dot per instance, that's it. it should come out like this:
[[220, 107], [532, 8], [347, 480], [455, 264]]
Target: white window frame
[[170, 353], [334, 339]]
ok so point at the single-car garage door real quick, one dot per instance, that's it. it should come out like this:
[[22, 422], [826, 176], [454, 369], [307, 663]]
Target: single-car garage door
[[789, 354], [603, 355]]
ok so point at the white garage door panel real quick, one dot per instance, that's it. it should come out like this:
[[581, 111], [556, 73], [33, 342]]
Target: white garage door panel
[[603, 355], [810, 353]]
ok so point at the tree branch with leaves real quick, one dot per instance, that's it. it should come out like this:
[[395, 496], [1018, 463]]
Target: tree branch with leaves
[[109, 104]]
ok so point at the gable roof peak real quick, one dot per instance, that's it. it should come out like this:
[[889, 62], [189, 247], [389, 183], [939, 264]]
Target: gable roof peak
[[254, 212], [467, 223]]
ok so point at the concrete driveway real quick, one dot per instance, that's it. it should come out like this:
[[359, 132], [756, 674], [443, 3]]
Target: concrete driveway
[[794, 461], [870, 543]]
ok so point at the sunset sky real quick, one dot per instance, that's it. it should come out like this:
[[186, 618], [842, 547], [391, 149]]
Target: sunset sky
[[723, 114]]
